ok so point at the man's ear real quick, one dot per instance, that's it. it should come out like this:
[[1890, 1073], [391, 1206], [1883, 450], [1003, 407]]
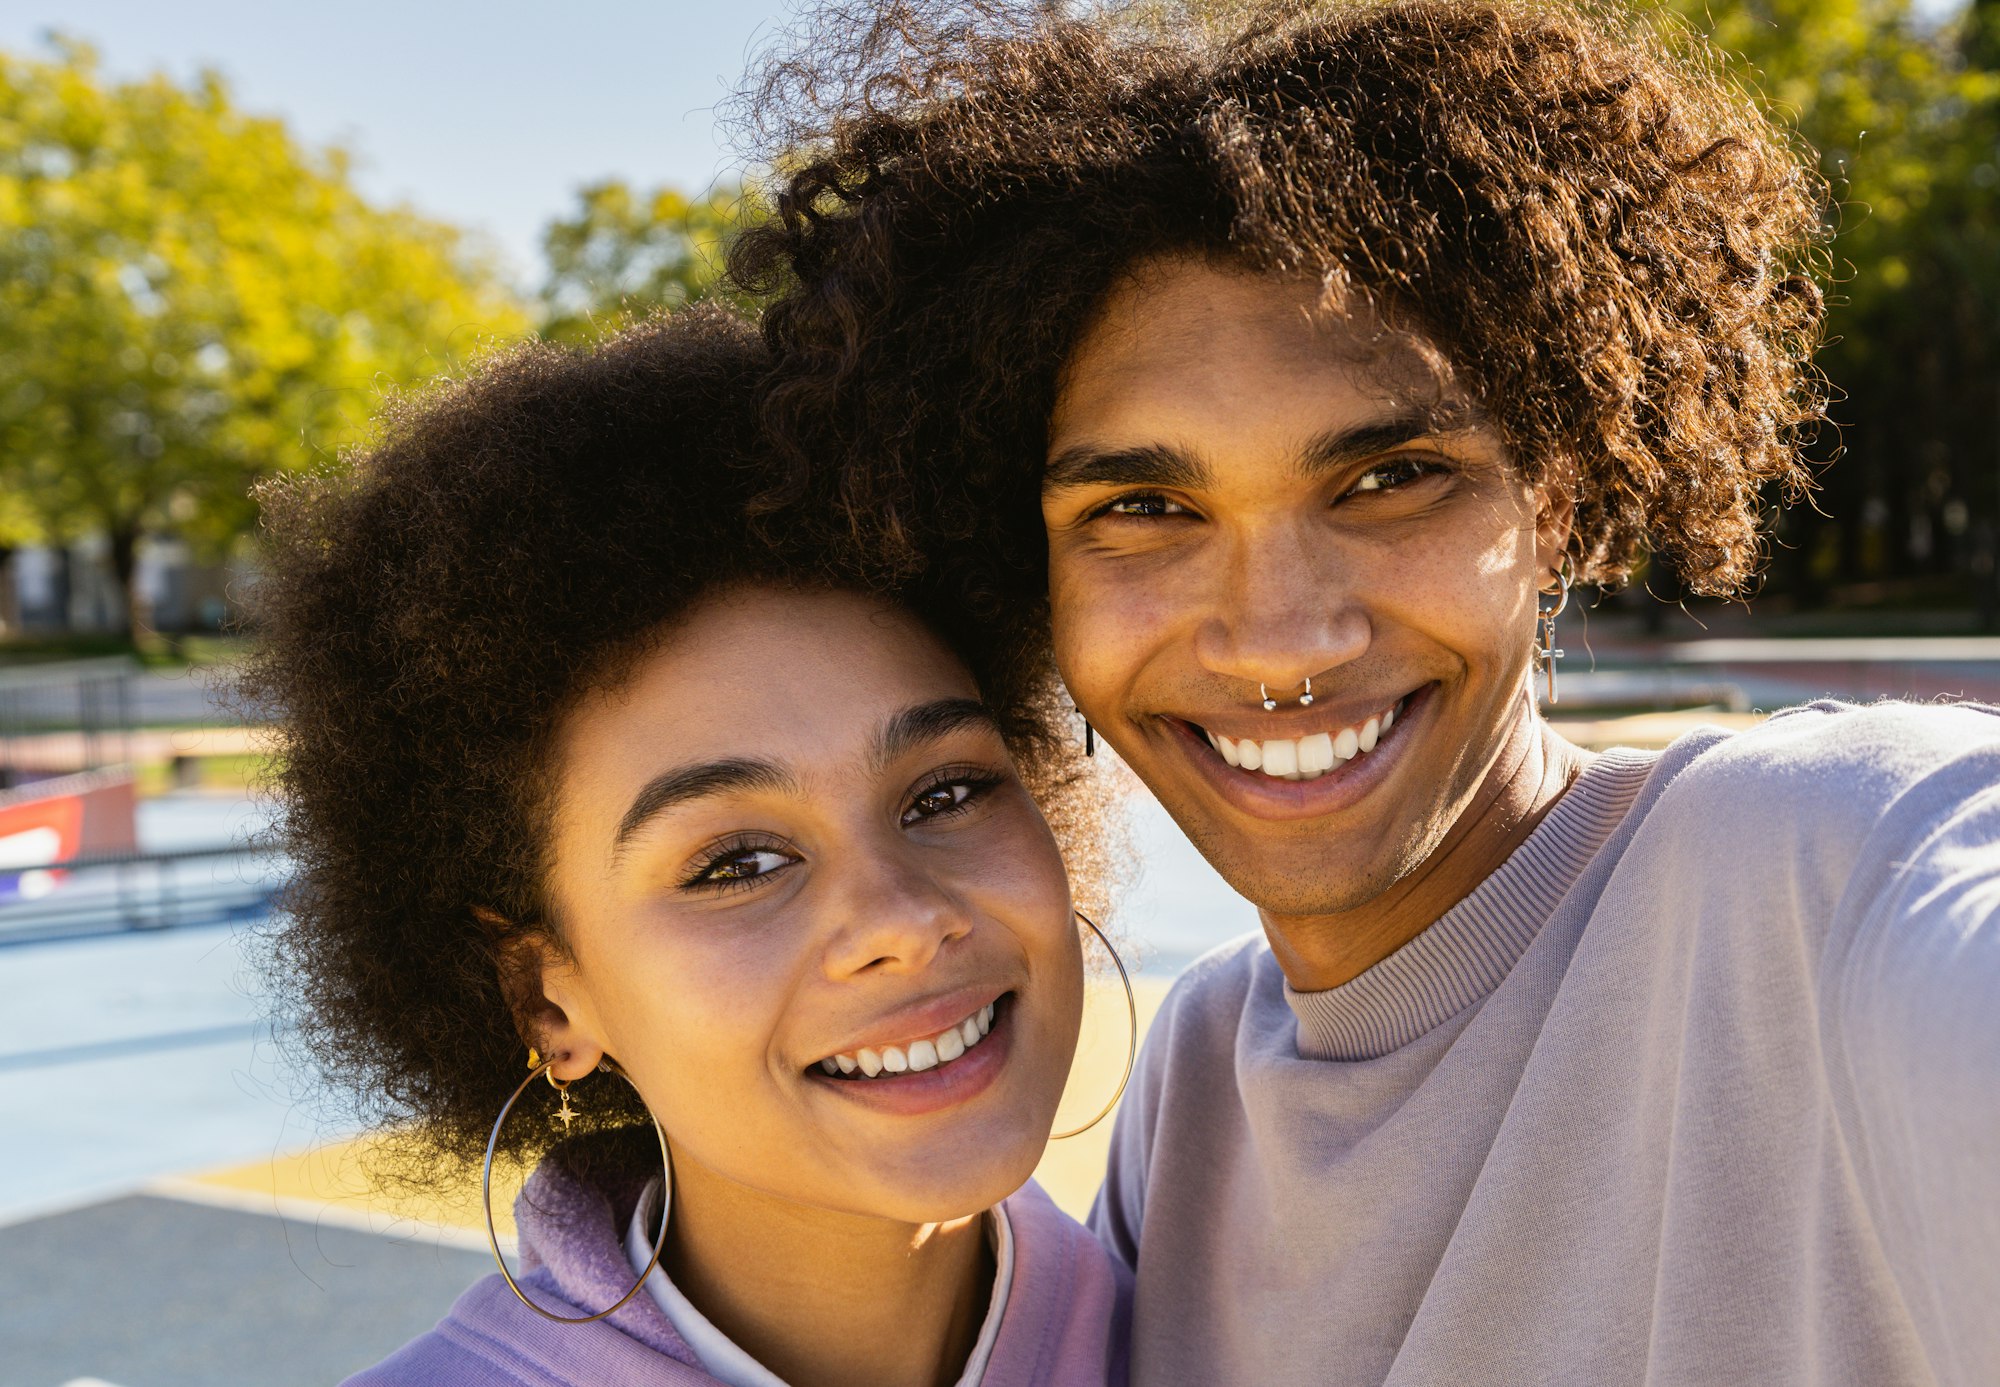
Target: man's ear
[[1555, 510], [549, 1000]]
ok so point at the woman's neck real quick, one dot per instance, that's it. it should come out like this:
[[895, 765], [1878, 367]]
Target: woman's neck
[[826, 1299]]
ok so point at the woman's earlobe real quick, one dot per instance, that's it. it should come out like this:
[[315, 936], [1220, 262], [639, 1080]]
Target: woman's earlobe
[[537, 985]]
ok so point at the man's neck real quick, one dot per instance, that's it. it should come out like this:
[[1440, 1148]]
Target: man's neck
[[825, 1299], [1530, 773]]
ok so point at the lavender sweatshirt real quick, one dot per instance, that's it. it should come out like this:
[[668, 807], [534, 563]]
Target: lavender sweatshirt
[[1701, 1086], [1063, 1323]]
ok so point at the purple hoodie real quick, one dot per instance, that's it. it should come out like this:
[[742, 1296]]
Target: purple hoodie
[[1063, 1326]]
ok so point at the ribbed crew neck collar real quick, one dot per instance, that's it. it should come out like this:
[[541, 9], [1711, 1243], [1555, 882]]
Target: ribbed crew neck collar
[[1464, 956]]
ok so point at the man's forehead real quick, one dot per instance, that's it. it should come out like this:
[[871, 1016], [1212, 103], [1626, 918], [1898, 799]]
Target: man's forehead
[[1175, 318]]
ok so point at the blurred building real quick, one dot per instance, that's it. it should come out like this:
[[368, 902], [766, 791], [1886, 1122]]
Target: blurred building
[[72, 588]]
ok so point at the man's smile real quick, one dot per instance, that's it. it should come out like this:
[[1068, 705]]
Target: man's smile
[[1322, 768], [1302, 754]]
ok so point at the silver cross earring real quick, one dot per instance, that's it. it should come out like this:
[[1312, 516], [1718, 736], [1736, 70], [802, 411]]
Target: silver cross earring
[[1545, 652]]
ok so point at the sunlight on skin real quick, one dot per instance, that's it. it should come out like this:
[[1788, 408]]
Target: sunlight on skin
[[1244, 491], [790, 832]]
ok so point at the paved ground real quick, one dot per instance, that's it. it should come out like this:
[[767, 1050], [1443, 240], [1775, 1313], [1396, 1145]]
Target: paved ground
[[149, 1292]]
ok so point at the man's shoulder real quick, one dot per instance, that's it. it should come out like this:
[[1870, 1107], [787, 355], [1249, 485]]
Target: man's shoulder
[[1207, 1001], [1836, 758]]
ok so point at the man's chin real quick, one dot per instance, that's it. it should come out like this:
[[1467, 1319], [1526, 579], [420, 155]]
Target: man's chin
[[1298, 882]]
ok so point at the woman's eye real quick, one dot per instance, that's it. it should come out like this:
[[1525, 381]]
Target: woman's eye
[[1145, 506], [747, 864], [946, 797]]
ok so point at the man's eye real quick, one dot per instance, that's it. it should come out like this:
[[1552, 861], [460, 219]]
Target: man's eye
[[1144, 505], [739, 865], [1388, 476]]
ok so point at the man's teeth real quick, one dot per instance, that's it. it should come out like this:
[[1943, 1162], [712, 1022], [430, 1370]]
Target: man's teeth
[[1303, 758], [941, 1049]]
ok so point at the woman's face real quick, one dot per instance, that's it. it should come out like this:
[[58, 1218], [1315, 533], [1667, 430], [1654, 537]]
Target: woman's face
[[792, 840]]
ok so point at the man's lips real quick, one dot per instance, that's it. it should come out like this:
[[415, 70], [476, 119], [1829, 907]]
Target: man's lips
[[1295, 753], [1350, 771]]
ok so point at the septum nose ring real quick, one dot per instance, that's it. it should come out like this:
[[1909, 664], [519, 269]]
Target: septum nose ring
[[1271, 704]]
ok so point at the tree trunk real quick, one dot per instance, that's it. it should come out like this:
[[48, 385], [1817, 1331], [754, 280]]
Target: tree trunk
[[125, 568]]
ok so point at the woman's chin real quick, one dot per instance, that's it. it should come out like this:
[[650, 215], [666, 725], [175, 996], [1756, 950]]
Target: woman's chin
[[952, 1180]]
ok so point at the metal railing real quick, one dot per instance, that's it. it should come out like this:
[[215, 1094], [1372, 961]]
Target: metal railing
[[77, 711], [122, 892]]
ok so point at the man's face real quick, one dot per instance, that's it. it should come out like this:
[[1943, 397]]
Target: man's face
[[1241, 493]]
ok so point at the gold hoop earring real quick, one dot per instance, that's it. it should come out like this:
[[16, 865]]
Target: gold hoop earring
[[1132, 1037], [539, 1068]]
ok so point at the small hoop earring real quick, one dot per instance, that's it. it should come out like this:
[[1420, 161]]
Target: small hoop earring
[[539, 1068], [1132, 1036], [1306, 699], [1270, 706]]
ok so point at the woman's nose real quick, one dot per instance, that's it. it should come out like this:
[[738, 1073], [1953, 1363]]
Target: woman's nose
[[893, 918]]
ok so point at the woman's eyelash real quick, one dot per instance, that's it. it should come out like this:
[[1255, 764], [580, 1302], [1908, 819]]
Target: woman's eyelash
[[729, 850], [976, 782]]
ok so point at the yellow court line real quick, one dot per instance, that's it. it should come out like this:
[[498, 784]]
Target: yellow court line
[[332, 1182]]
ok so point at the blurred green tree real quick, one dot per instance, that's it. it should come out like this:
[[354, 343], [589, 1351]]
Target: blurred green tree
[[190, 298], [1903, 106], [622, 252]]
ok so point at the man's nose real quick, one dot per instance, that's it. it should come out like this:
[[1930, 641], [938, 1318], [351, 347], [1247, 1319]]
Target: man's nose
[[1280, 613]]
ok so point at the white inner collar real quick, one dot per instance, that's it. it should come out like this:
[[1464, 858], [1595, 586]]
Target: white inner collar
[[720, 1354]]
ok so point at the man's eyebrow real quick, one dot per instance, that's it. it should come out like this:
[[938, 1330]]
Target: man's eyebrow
[[678, 786], [1151, 465], [926, 722], [1338, 448]]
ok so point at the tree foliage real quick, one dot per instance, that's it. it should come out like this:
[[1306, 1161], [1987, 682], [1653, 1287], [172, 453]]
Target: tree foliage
[[1904, 111], [189, 298], [622, 252]]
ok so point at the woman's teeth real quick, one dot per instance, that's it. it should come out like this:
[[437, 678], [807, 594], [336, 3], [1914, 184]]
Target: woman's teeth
[[1303, 758], [942, 1048]]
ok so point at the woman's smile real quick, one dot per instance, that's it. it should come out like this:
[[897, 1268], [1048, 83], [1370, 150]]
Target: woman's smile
[[927, 1075]]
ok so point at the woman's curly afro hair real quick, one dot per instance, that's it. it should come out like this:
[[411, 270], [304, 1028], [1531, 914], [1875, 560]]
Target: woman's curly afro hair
[[1602, 238], [426, 617]]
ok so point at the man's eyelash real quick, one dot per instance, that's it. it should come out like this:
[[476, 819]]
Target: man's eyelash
[[1413, 469], [1130, 497]]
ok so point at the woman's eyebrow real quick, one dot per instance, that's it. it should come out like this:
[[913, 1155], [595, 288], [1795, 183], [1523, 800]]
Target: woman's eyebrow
[[927, 722], [684, 783]]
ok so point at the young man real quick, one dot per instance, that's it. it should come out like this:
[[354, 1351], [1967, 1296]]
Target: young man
[[1276, 387]]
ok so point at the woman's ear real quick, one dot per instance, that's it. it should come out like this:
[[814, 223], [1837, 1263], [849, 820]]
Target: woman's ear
[[549, 1000]]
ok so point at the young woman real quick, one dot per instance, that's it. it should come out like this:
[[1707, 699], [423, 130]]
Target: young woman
[[591, 779]]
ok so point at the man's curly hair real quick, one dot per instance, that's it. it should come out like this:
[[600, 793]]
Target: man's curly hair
[[1587, 226], [425, 619]]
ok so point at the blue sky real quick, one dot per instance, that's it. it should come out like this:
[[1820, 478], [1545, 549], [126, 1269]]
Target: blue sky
[[489, 115]]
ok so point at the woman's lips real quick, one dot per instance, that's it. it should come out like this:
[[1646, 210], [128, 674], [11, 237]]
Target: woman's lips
[[940, 1083]]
